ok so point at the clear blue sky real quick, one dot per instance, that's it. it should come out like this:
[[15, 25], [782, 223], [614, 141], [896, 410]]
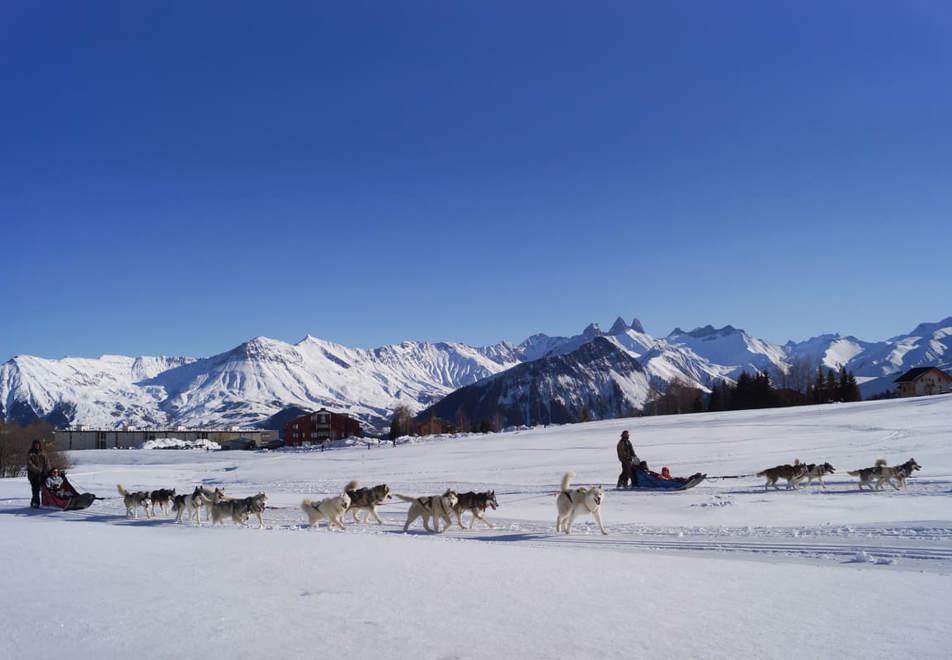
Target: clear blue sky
[[176, 178]]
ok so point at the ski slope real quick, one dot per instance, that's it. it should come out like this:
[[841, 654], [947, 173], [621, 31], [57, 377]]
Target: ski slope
[[720, 571]]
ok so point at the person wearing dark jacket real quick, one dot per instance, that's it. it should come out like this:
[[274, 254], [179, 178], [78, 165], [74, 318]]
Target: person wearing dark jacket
[[628, 459], [37, 465]]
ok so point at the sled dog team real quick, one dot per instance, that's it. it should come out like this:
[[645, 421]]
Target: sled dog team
[[440, 509], [217, 506], [435, 509], [881, 473]]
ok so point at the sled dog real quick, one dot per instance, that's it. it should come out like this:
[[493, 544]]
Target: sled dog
[[437, 507], [162, 499], [898, 472], [192, 503], [239, 509], [792, 473], [331, 509], [134, 500], [816, 471], [867, 475], [571, 502], [367, 499], [475, 503]]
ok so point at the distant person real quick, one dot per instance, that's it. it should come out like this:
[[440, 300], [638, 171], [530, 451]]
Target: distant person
[[628, 458], [37, 465]]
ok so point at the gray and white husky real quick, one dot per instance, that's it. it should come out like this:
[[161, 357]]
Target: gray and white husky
[[191, 504], [435, 507], [898, 472], [135, 500], [239, 509]]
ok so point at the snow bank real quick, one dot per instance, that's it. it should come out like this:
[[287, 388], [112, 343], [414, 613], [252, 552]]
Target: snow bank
[[175, 443]]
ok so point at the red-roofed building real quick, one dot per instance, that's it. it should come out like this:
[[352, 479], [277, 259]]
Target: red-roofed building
[[318, 427]]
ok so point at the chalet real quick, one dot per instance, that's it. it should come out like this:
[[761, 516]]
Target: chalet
[[320, 426], [923, 380]]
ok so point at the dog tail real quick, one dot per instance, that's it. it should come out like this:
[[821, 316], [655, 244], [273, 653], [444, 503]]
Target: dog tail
[[353, 484], [122, 491], [566, 480], [880, 462], [854, 473], [405, 498], [307, 505], [796, 462], [762, 474]]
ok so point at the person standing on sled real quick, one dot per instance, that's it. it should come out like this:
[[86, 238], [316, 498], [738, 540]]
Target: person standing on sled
[[628, 459], [37, 465]]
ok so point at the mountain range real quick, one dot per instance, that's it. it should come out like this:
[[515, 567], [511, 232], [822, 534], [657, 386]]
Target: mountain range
[[544, 379]]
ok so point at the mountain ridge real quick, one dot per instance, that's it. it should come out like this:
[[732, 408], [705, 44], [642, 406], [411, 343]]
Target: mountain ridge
[[259, 378]]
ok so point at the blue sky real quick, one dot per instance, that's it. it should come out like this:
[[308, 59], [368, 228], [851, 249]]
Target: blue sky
[[176, 178]]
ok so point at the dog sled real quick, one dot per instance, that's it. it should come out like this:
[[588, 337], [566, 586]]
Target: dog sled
[[643, 479], [66, 499]]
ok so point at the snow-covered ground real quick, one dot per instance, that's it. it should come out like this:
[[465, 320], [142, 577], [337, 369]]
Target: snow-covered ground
[[724, 570]]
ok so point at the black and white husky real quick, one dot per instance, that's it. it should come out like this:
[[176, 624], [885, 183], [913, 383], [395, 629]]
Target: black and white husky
[[571, 502], [367, 499], [475, 503], [135, 500], [191, 504]]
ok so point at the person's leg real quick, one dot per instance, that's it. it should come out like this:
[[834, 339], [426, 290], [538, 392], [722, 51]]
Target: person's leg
[[35, 500]]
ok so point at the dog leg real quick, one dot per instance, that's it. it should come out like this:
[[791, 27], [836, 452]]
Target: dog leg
[[598, 518]]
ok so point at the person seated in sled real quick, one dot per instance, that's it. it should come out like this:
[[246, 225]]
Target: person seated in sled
[[54, 484], [665, 473]]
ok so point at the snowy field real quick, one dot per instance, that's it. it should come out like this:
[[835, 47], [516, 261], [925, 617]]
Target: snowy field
[[724, 570]]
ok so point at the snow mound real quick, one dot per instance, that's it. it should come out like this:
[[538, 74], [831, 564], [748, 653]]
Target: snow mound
[[175, 443]]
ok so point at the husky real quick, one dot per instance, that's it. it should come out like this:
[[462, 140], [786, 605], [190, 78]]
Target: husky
[[571, 502], [792, 473], [437, 507], [331, 509], [239, 509], [867, 475], [898, 472], [192, 503], [134, 500], [162, 499], [816, 471], [475, 503], [367, 499]]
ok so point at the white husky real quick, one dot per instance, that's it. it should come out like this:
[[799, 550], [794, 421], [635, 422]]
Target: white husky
[[331, 509], [578, 500]]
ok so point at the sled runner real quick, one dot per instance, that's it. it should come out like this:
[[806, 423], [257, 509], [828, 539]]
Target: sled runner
[[71, 499], [645, 480]]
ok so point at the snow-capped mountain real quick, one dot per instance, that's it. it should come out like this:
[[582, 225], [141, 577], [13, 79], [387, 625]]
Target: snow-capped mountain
[[263, 377], [599, 377], [245, 385]]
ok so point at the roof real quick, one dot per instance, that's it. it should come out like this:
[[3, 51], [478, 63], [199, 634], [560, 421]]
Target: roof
[[914, 374]]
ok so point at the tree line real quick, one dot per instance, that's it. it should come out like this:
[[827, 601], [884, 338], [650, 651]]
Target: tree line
[[758, 390]]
